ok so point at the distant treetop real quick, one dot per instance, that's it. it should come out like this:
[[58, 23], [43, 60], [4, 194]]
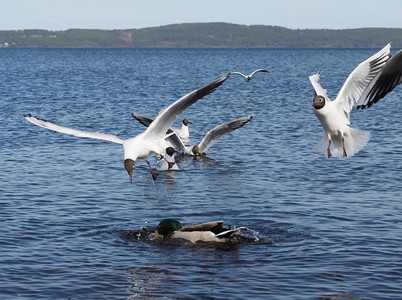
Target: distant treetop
[[205, 35]]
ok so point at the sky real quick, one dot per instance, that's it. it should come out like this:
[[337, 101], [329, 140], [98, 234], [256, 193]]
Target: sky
[[128, 14]]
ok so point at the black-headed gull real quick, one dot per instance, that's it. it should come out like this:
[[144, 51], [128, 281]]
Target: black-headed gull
[[206, 142], [183, 132], [167, 161], [152, 140], [370, 81], [248, 77]]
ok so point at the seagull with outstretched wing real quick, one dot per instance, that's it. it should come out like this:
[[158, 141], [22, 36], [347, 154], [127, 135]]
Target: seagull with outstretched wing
[[152, 140], [370, 81], [248, 77]]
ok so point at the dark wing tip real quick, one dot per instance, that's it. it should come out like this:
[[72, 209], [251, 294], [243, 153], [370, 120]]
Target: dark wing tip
[[212, 86], [144, 120]]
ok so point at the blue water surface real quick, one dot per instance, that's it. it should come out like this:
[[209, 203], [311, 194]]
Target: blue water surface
[[73, 227]]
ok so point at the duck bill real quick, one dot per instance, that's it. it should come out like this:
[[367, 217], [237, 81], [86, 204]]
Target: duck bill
[[131, 175]]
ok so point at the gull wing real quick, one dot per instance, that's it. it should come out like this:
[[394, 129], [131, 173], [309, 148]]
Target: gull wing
[[259, 70], [166, 117], [220, 130], [318, 89], [171, 135], [361, 77], [75, 132], [143, 119], [384, 82], [237, 73]]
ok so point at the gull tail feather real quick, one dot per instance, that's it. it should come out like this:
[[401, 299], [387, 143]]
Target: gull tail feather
[[355, 141]]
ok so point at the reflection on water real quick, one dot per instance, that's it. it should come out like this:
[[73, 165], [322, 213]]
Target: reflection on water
[[146, 281]]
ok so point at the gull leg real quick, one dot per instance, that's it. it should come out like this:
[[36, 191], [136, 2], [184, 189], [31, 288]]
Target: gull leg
[[154, 174], [170, 164], [343, 146], [329, 150]]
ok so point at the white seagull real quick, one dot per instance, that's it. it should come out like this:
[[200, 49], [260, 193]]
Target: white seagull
[[206, 142], [183, 132], [152, 140], [248, 77], [167, 161], [370, 81]]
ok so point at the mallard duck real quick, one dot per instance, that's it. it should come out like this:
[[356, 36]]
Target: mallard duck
[[206, 232]]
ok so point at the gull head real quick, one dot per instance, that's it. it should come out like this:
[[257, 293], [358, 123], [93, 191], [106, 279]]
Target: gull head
[[196, 150], [186, 122], [129, 166], [318, 102], [170, 151]]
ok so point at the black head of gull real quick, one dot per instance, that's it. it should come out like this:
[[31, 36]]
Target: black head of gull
[[196, 150], [129, 166], [170, 151], [186, 122], [319, 102]]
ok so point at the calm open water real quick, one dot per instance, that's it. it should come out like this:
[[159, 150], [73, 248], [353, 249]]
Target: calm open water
[[73, 227]]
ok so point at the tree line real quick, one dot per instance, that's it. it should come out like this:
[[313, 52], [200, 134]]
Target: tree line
[[192, 35]]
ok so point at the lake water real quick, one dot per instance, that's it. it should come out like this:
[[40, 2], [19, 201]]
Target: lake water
[[73, 227]]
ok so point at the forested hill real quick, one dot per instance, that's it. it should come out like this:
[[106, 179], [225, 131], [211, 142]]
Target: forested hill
[[205, 35]]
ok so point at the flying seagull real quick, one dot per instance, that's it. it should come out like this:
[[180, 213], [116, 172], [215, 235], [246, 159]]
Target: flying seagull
[[248, 77], [152, 140], [205, 143], [370, 81]]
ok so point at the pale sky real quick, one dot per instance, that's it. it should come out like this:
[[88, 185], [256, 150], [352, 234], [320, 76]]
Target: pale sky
[[126, 14]]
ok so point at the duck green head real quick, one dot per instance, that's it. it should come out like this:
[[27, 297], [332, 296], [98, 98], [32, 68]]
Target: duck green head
[[167, 226]]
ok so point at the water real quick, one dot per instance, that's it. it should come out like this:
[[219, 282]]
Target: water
[[73, 227]]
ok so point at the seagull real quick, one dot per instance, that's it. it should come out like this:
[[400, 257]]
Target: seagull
[[152, 140], [167, 161], [370, 81], [183, 132], [206, 142], [248, 77]]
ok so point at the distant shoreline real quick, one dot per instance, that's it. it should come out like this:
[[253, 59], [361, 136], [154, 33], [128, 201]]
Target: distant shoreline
[[203, 35]]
